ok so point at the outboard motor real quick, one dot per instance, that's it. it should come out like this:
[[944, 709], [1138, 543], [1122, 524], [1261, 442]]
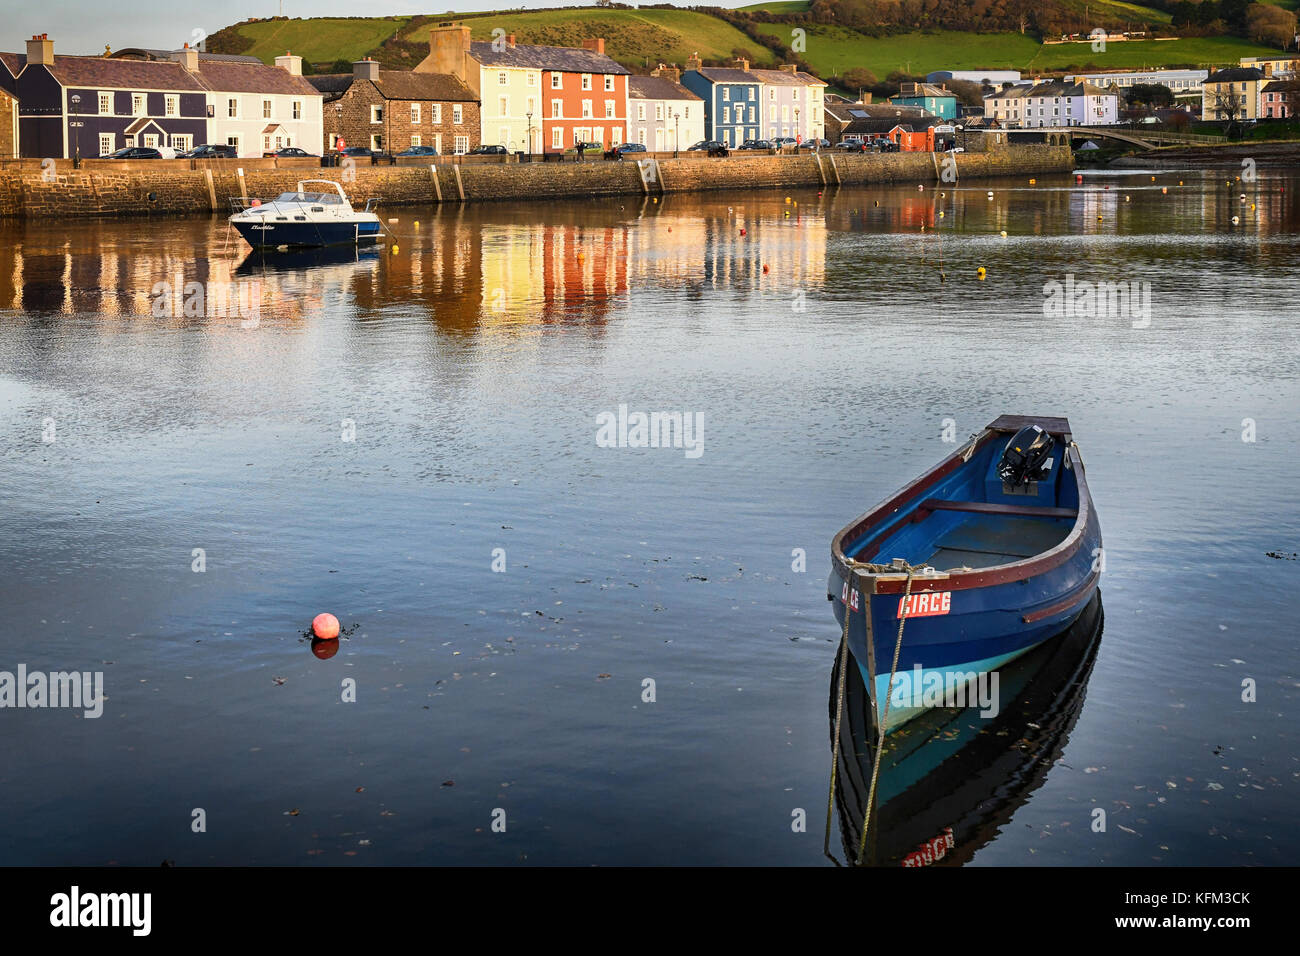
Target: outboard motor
[[1027, 457]]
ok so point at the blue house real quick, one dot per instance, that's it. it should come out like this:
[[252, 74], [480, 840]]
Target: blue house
[[732, 100], [933, 99]]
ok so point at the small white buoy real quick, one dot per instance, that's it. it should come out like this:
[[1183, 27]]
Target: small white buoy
[[990, 194], [1236, 220], [392, 221], [1004, 233]]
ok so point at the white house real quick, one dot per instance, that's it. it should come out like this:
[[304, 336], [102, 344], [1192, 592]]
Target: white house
[[1052, 104], [258, 108], [663, 115]]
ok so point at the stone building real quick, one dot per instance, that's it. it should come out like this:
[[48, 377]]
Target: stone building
[[392, 110], [8, 125]]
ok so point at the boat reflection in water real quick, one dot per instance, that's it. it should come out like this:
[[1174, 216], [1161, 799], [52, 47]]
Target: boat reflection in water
[[951, 778], [259, 261]]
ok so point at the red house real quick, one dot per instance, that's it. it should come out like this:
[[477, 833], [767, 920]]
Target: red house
[[584, 96]]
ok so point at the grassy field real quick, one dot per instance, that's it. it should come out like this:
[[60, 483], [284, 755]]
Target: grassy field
[[633, 37], [1110, 10], [832, 50], [320, 39]]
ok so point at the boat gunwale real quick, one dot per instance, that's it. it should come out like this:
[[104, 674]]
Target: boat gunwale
[[896, 582]]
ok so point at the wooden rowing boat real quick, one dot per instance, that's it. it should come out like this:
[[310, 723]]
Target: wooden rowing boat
[[980, 560]]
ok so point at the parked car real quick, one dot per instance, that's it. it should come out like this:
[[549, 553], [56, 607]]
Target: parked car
[[212, 151], [487, 151], [418, 151], [851, 146], [886, 146], [785, 142], [706, 145], [756, 144], [618, 152], [137, 152], [287, 151], [815, 144]]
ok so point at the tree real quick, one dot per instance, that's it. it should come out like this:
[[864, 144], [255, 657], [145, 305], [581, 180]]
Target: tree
[[968, 92], [1269, 24], [857, 78], [1149, 94]]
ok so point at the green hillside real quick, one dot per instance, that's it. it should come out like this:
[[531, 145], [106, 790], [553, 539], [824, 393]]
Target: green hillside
[[633, 37], [318, 39], [831, 50]]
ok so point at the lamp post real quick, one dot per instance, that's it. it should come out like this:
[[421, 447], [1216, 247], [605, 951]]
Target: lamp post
[[76, 125], [529, 114], [677, 131], [798, 135], [961, 137], [338, 129]]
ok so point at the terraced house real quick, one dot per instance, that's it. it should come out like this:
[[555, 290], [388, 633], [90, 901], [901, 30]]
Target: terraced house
[[93, 105], [392, 110], [663, 114], [731, 100], [535, 98]]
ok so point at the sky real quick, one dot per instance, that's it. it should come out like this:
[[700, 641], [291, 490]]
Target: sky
[[86, 26]]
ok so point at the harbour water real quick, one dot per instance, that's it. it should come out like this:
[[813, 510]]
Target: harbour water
[[622, 654]]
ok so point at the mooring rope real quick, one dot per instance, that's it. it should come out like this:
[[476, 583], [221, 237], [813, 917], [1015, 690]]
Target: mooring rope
[[897, 565], [884, 720]]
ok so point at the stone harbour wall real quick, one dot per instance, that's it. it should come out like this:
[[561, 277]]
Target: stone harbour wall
[[27, 190]]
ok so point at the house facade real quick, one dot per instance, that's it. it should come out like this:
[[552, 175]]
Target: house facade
[[392, 110], [1274, 67], [91, 106], [1278, 99], [731, 100], [1052, 104], [535, 98], [866, 122], [935, 100], [663, 115], [792, 104], [1232, 94]]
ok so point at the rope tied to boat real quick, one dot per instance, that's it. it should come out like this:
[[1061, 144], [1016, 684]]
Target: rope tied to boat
[[897, 565]]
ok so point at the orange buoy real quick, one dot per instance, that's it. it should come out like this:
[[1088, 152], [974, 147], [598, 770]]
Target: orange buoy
[[325, 626], [742, 232], [765, 270], [324, 649], [255, 203]]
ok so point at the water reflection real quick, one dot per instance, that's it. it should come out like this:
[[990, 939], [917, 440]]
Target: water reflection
[[951, 779]]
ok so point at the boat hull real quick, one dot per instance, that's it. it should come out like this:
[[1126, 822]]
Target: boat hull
[[261, 234], [961, 626]]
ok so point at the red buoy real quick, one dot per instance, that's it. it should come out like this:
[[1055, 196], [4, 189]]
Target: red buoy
[[325, 626], [742, 232]]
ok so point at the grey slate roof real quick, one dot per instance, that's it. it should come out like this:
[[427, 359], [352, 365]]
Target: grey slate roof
[[657, 88], [559, 59], [1235, 75]]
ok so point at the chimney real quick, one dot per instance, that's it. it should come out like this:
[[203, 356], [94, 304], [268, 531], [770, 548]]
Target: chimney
[[449, 46], [667, 73], [789, 68], [366, 70], [289, 63], [510, 40], [742, 64], [595, 44], [694, 62], [188, 58], [40, 49]]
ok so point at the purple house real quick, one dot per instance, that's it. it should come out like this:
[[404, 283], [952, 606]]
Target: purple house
[[94, 105]]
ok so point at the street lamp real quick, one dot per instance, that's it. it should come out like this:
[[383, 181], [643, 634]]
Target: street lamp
[[76, 124], [339, 141], [677, 131], [529, 114], [798, 135], [961, 137]]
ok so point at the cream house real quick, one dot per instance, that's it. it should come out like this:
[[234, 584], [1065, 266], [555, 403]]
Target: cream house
[[1232, 94]]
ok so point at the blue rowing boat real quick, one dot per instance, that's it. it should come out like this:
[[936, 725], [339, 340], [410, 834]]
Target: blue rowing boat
[[984, 557]]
